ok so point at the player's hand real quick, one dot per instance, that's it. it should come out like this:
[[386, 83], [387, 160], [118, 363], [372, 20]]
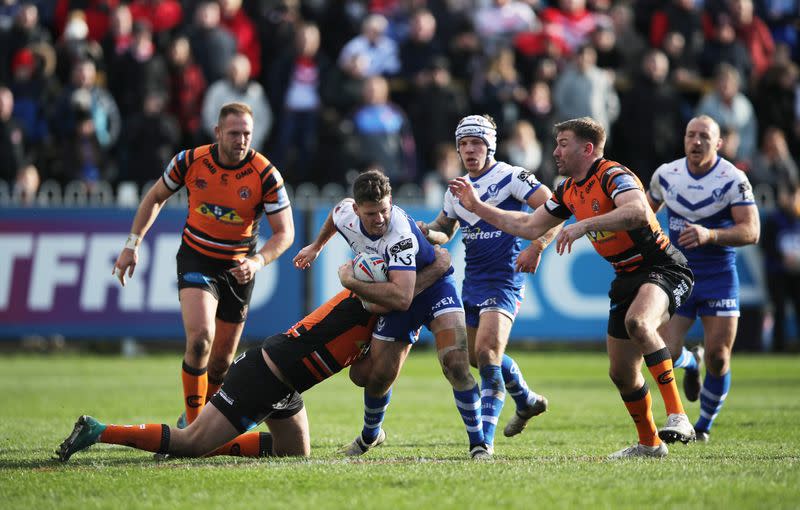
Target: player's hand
[[305, 257], [246, 270], [461, 188], [568, 235], [442, 261], [693, 236], [346, 274], [423, 227], [126, 261], [528, 259]]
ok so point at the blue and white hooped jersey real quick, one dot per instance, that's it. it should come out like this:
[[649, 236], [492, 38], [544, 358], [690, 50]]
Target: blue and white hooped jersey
[[403, 246], [704, 200], [490, 253]]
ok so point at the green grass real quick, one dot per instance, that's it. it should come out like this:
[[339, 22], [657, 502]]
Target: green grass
[[753, 460]]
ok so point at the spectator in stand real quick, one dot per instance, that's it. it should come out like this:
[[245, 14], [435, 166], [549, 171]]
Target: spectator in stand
[[418, 52], [436, 105], [584, 90], [187, 87], [446, 167], [85, 100], [141, 70], [650, 123], [118, 39], [26, 185], [380, 51], [776, 102], [754, 34], [75, 46], [277, 24], [682, 17], [630, 43], [163, 16], [522, 148], [538, 109], [380, 135], [498, 89], [723, 47], [212, 46], [730, 108], [498, 23], [773, 166], [152, 138], [12, 143], [95, 12], [296, 87], [729, 148], [239, 24], [781, 17], [571, 21], [237, 87], [781, 244], [26, 31], [81, 155], [35, 91], [340, 22]]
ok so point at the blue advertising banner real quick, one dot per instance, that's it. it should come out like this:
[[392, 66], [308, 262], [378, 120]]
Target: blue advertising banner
[[566, 300], [56, 277]]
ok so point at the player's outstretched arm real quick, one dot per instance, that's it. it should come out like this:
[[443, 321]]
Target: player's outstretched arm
[[520, 224], [309, 254], [146, 214]]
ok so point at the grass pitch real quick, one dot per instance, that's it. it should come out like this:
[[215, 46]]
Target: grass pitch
[[752, 461]]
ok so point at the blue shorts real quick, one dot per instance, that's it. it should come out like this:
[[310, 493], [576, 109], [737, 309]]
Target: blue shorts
[[438, 299], [717, 295], [484, 298]]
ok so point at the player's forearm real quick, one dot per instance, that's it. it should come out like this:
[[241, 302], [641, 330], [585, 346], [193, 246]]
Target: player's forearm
[[278, 243], [327, 231], [427, 276], [512, 222], [386, 294], [741, 234], [629, 216], [146, 214]]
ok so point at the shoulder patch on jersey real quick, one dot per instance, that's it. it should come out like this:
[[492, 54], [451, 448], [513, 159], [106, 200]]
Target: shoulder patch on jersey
[[404, 244], [624, 182], [744, 187]]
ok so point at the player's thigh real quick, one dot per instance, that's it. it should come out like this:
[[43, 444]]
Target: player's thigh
[[387, 358], [198, 309], [625, 364], [650, 306], [208, 432], [674, 333], [290, 436], [493, 331], [226, 339]]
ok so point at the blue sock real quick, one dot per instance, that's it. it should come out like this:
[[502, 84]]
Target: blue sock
[[712, 396], [686, 360], [515, 384], [469, 405], [374, 410], [492, 397]]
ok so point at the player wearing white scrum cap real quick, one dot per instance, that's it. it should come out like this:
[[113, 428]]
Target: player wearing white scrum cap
[[493, 280]]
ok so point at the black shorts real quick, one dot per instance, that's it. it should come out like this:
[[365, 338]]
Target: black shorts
[[251, 393], [200, 272], [676, 280]]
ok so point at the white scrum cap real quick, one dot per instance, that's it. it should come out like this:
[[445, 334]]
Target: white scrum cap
[[480, 127]]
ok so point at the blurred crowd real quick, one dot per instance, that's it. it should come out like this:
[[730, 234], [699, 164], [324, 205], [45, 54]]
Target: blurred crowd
[[108, 90], [103, 92]]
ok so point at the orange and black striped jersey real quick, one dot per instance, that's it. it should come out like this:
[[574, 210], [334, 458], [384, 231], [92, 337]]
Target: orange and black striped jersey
[[225, 203], [626, 250], [324, 342]]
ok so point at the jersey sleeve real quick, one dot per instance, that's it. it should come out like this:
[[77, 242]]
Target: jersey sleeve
[[274, 196], [523, 184], [741, 193], [401, 252], [449, 207], [555, 204], [618, 180], [657, 184], [175, 174], [341, 211]]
